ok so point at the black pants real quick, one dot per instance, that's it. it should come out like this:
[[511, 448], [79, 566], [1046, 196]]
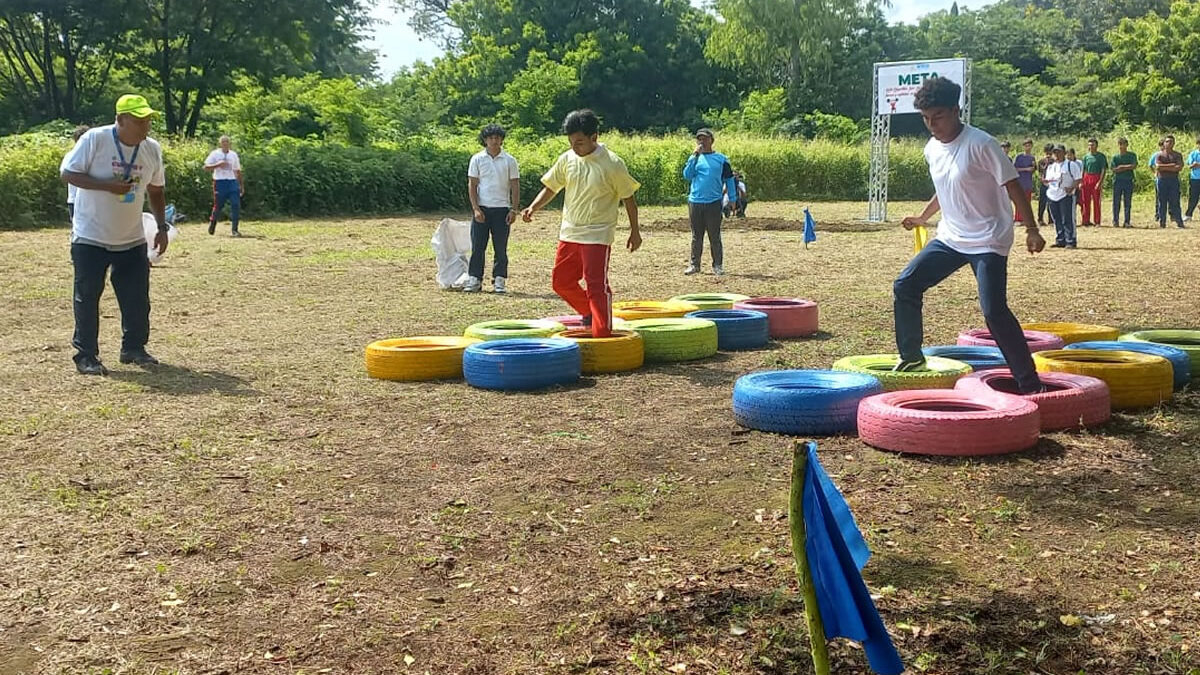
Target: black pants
[[131, 283], [1062, 212], [1043, 203], [1122, 194], [706, 218], [1193, 195], [1168, 199], [494, 225]]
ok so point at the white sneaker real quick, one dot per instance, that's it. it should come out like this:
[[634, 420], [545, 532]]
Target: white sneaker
[[498, 285], [718, 270], [691, 269], [473, 285]]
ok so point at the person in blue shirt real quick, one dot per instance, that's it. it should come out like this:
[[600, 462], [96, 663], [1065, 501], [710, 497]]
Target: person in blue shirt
[[711, 175], [1193, 163], [1154, 169]]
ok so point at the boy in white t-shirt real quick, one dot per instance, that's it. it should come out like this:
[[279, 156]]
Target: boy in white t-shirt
[[974, 183], [71, 189], [226, 168], [115, 168], [494, 189]]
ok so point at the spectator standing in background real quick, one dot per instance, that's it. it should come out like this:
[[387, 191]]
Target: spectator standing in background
[[71, 189], [226, 168], [1193, 163], [1168, 164], [709, 172], [1026, 165], [494, 188], [1123, 165], [1095, 165], [1046, 160]]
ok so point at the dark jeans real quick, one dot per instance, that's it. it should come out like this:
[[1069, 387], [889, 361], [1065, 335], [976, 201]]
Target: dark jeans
[[131, 283], [226, 191], [1193, 195], [1063, 214], [1168, 199], [494, 225], [1043, 203], [706, 218], [1122, 194], [1157, 204], [934, 263]]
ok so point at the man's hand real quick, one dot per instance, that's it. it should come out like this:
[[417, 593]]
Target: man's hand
[[477, 214], [1034, 241], [511, 217], [119, 186], [910, 222], [527, 215], [635, 241], [160, 242]]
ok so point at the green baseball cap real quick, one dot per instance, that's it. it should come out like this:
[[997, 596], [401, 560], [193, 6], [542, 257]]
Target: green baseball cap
[[135, 105]]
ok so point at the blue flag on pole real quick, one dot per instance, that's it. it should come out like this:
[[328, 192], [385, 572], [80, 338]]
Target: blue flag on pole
[[836, 555], [810, 228]]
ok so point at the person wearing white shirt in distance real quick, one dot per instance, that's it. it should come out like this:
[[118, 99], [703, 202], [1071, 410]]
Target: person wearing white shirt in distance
[[976, 188], [1062, 180], [115, 168], [226, 168], [494, 188], [72, 191]]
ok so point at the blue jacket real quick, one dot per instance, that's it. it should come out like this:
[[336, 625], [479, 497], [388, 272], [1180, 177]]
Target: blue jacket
[[708, 173]]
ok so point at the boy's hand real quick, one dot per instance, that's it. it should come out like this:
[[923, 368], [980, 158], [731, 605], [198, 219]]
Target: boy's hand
[[1034, 241], [478, 215], [511, 217], [527, 215], [635, 241], [910, 222]]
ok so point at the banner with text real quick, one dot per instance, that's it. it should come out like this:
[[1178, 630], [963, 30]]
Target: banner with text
[[898, 82]]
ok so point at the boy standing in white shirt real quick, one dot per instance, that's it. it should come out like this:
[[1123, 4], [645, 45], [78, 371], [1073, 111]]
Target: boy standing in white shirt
[[974, 182], [1062, 180], [494, 188], [226, 168]]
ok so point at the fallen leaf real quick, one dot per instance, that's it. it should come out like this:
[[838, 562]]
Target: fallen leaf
[[678, 668], [1070, 620], [735, 629], [409, 660]]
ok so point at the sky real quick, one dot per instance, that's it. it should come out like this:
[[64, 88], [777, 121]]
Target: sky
[[398, 46]]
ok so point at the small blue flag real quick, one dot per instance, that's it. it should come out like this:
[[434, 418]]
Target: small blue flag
[[810, 228], [837, 553]]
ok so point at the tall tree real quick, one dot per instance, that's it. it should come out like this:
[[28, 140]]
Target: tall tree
[[1155, 66]]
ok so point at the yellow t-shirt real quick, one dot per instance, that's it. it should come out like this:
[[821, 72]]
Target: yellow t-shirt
[[595, 186]]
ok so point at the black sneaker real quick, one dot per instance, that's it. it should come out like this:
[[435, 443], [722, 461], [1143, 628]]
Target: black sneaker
[[908, 366], [138, 357], [1057, 245], [1070, 245], [90, 365], [212, 227]]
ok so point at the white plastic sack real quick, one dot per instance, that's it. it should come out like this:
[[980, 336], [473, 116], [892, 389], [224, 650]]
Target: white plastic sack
[[452, 247], [150, 229]]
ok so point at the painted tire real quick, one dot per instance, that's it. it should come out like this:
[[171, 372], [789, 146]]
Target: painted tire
[[736, 328], [506, 329], [573, 321], [1181, 364], [1074, 332], [521, 364], [821, 402], [619, 353], [1037, 340], [979, 358], [948, 422], [417, 358], [1187, 340], [1070, 402], [632, 310], [939, 373], [711, 300], [1134, 380], [667, 340], [788, 317]]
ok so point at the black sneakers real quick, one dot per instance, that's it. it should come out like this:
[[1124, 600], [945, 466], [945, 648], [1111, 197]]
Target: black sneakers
[[90, 365], [212, 227], [908, 366], [138, 357]]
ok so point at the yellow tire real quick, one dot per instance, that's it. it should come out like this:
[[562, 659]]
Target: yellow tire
[[711, 300], [1135, 380], [617, 354], [1075, 332], [632, 310], [417, 358], [938, 373]]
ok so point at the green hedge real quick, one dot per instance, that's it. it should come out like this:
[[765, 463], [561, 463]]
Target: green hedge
[[301, 178]]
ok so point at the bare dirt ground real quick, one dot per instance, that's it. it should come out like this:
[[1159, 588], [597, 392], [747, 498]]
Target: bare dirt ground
[[258, 505]]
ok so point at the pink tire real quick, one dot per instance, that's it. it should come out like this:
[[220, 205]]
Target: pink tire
[[786, 317], [951, 422], [1038, 341], [1070, 402], [571, 321]]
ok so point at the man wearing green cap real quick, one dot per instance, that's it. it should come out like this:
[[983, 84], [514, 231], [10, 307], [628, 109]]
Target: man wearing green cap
[[114, 169]]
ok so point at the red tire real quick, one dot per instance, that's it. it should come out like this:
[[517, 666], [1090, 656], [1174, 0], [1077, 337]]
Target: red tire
[[1038, 341], [786, 317], [948, 422], [1070, 402]]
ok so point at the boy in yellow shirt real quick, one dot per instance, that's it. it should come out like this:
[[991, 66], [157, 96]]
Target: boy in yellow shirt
[[596, 180]]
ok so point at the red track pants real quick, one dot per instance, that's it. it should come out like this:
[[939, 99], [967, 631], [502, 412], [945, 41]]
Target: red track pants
[[1089, 199], [590, 263]]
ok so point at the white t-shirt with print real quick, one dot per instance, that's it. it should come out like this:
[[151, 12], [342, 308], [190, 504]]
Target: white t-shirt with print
[[494, 174], [102, 217], [1062, 176], [969, 174], [226, 172]]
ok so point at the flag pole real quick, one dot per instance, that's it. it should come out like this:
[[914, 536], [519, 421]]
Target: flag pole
[[816, 629]]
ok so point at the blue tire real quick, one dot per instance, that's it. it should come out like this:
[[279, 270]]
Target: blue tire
[[736, 328], [521, 364], [1181, 363], [808, 402], [979, 358]]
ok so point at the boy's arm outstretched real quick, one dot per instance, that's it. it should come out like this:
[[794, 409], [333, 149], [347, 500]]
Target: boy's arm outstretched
[[635, 234], [543, 198]]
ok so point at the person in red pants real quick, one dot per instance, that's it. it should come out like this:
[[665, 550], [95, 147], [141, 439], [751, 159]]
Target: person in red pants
[[1095, 164], [596, 182]]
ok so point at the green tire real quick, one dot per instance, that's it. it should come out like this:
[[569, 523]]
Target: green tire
[[939, 373], [1186, 340], [669, 340], [711, 300], [508, 328]]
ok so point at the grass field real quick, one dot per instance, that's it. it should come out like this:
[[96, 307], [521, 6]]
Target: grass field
[[258, 505]]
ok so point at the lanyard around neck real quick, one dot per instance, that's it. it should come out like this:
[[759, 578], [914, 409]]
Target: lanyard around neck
[[127, 167]]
